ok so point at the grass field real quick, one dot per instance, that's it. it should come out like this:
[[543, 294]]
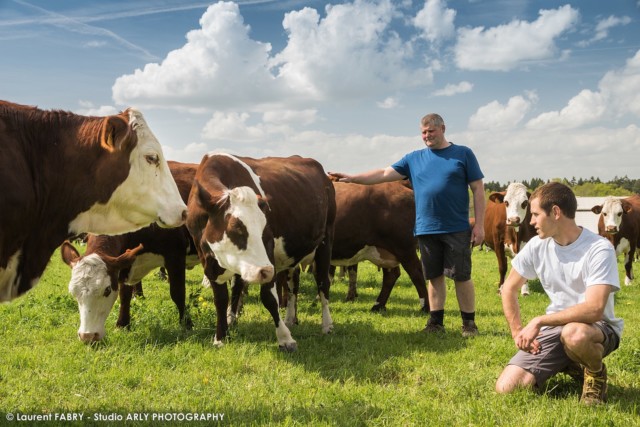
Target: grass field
[[374, 370]]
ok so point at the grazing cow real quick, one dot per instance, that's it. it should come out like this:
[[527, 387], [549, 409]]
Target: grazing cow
[[108, 266], [620, 223], [62, 174], [375, 223], [507, 225], [257, 217]]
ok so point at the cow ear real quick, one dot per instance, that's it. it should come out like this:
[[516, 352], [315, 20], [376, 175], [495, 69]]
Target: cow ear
[[116, 133], [263, 203], [208, 201], [69, 253], [123, 261], [596, 209], [497, 197], [626, 206]]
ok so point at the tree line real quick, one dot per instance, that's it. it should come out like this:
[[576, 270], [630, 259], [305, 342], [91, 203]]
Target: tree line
[[592, 187]]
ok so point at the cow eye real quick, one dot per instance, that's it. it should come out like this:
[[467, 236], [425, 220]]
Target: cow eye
[[152, 159], [107, 291], [524, 204], [604, 213], [506, 203]]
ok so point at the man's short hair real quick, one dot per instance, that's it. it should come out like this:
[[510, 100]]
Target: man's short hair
[[556, 194], [432, 119]]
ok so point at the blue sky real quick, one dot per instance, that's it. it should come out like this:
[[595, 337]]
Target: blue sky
[[536, 88]]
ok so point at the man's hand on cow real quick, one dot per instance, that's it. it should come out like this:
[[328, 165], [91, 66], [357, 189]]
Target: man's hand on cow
[[339, 176]]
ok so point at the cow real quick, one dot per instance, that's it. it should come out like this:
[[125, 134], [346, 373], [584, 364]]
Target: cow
[[507, 225], [63, 174], [619, 222], [256, 217], [111, 263], [375, 223]]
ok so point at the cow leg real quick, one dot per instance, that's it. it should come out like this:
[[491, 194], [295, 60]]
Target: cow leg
[[269, 298], [176, 275], [502, 263], [628, 265], [413, 267], [292, 284], [323, 261], [282, 288], [389, 278], [124, 314], [352, 294], [221, 301], [237, 292], [138, 292]]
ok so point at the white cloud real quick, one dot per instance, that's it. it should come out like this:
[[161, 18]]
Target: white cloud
[[293, 117], [496, 116], [388, 103], [603, 26], [88, 109], [232, 126], [218, 66], [351, 53], [454, 89], [505, 47], [618, 95], [435, 21]]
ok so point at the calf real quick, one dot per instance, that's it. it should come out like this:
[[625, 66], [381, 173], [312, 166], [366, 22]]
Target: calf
[[620, 223], [375, 223], [62, 174], [105, 268], [507, 225], [257, 217]]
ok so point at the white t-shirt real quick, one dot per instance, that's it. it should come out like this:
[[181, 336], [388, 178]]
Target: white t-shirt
[[566, 271]]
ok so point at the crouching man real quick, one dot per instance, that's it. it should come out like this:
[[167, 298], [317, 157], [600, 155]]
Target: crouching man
[[579, 273]]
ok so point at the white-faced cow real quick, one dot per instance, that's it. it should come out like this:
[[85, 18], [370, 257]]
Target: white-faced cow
[[507, 225], [62, 174], [109, 267], [257, 217], [375, 223], [620, 223]]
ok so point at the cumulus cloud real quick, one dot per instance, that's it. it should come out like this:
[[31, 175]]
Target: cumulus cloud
[[435, 21], [454, 89], [220, 65], [496, 116], [89, 109], [351, 53], [618, 94], [508, 46]]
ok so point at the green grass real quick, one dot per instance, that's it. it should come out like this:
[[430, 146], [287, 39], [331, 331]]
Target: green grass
[[374, 370]]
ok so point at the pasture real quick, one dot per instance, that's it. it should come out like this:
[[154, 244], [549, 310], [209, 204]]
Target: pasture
[[374, 370]]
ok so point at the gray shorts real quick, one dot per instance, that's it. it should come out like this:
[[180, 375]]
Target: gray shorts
[[552, 357], [448, 254]]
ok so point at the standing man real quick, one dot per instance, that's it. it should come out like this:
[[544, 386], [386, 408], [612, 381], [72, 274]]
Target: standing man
[[441, 175], [579, 273]]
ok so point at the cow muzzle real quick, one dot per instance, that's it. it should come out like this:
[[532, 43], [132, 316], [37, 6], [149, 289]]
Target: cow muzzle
[[514, 221], [612, 229]]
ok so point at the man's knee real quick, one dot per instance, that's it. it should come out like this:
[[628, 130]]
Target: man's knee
[[575, 335], [514, 377]]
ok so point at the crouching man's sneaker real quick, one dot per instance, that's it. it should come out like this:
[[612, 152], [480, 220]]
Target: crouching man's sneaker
[[469, 328], [594, 388]]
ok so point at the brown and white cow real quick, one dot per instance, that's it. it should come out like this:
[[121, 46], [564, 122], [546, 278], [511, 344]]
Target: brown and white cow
[[62, 174], [620, 223], [507, 225], [375, 223], [109, 268], [257, 217]]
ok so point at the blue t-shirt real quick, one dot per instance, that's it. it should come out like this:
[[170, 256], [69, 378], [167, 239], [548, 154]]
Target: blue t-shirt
[[440, 180]]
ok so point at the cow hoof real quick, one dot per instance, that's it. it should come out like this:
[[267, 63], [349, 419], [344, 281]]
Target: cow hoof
[[289, 347], [123, 325], [379, 308], [350, 298], [425, 309], [327, 329], [187, 323]]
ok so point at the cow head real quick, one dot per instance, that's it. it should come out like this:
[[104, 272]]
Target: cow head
[[94, 284], [234, 236], [148, 192], [516, 201], [612, 211]]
